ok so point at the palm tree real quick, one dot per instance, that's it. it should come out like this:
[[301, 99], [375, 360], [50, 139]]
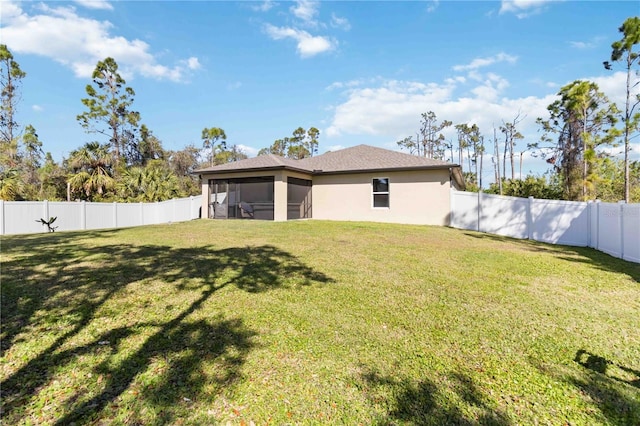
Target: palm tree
[[92, 169], [11, 185], [155, 182]]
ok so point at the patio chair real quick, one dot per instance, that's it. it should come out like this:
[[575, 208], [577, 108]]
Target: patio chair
[[219, 210], [246, 210]]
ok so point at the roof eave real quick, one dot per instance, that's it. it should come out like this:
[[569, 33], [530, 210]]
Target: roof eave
[[456, 171], [250, 169], [384, 169]]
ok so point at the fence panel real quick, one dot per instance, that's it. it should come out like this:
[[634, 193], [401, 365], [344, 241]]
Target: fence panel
[[504, 215], [100, 216], [560, 222], [150, 213], [464, 211], [183, 209], [165, 213], [129, 215], [631, 235], [22, 217], [69, 216], [609, 229]]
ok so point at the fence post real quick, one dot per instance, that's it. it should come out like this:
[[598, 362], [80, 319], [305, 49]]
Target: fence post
[[83, 215], [115, 214], [1, 217], [621, 203], [530, 219], [190, 207], [141, 213]]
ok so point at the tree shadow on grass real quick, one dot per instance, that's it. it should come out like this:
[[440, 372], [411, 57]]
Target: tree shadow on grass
[[66, 278], [613, 388], [425, 403], [585, 255]]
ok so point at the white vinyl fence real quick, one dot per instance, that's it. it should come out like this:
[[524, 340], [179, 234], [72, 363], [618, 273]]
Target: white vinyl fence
[[23, 217], [613, 228]]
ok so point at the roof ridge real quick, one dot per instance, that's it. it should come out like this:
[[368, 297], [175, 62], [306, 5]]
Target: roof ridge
[[356, 159]]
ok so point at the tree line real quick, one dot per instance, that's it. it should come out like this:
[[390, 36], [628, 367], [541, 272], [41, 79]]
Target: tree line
[[126, 161], [582, 128]]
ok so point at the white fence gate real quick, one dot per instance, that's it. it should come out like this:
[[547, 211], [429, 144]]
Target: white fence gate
[[23, 217], [613, 228]]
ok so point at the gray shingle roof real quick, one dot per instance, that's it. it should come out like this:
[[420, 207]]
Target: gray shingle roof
[[268, 161], [355, 159], [365, 157]]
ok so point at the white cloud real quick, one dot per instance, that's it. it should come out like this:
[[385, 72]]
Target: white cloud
[[433, 5], [193, 63], [484, 62], [10, 10], [308, 45], [545, 84], [457, 79], [351, 83], [95, 4], [491, 87], [265, 6], [306, 10], [580, 44], [37, 108], [79, 43], [250, 151], [306, 13], [614, 86], [524, 8], [338, 22], [234, 86], [594, 42], [392, 109]]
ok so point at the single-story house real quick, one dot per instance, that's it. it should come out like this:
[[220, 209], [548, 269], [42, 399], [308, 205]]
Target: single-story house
[[362, 183]]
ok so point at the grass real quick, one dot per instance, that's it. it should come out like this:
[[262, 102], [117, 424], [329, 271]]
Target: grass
[[315, 322]]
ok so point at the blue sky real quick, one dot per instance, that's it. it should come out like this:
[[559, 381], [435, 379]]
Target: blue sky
[[361, 72]]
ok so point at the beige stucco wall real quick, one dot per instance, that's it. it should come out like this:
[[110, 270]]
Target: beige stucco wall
[[415, 197]]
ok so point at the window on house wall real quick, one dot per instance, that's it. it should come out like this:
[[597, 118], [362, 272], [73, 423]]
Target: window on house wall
[[381, 193]]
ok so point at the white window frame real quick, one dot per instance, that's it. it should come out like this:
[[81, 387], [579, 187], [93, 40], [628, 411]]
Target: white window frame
[[374, 193]]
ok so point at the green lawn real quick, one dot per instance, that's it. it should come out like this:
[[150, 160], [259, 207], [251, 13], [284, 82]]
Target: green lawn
[[314, 322]]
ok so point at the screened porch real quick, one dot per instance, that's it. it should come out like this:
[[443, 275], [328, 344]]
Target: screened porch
[[254, 198]]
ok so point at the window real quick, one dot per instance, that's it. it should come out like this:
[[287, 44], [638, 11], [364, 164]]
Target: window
[[381, 193]]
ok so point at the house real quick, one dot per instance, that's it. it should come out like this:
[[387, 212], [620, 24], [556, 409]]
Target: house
[[362, 183]]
